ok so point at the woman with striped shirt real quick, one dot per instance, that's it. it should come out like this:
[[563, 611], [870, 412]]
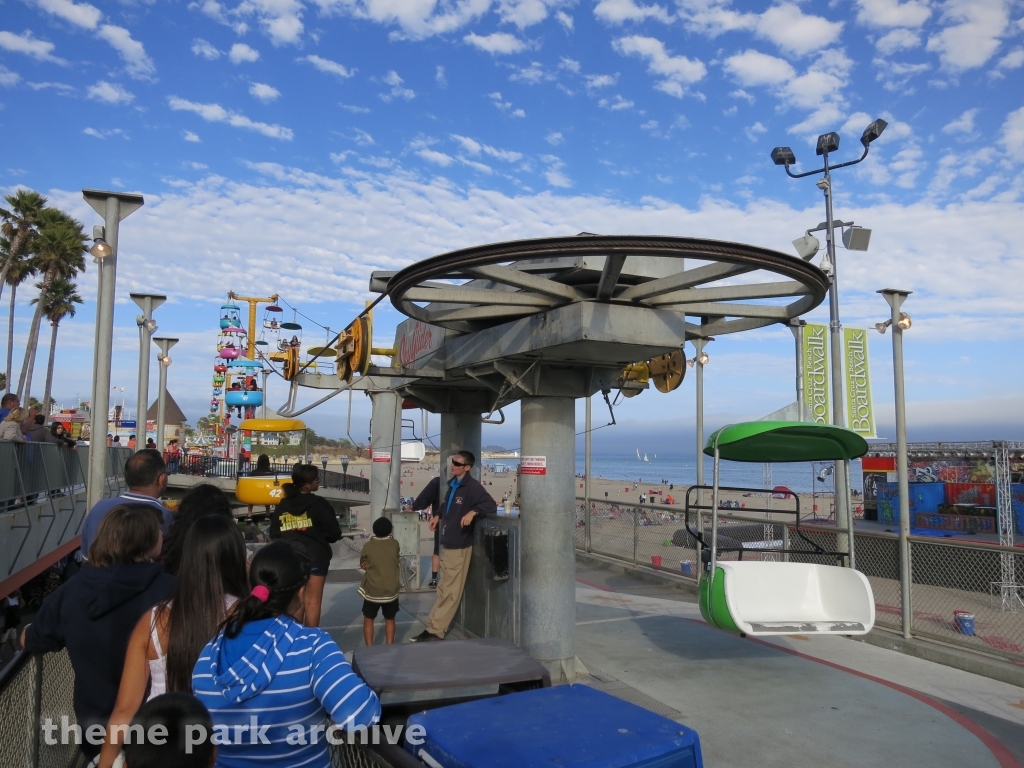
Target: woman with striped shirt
[[273, 685]]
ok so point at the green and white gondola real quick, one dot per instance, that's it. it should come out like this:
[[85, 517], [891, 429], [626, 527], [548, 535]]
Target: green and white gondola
[[780, 598]]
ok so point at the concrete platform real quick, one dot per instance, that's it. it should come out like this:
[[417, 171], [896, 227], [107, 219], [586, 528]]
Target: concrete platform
[[790, 701]]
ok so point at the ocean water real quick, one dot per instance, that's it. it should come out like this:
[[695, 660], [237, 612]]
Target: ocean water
[[682, 470]]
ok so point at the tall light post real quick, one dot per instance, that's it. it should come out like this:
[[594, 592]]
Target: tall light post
[[697, 362], [147, 302], [113, 207], [829, 142], [900, 321], [164, 344]]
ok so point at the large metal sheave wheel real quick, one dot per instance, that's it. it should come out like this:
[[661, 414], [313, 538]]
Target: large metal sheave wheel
[[731, 286], [667, 371], [354, 349]]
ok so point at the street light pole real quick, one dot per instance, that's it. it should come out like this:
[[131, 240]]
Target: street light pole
[[898, 321], [113, 207], [164, 359], [829, 142], [697, 362], [147, 302]]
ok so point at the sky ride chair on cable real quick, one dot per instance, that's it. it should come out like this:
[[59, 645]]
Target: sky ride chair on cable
[[769, 597]]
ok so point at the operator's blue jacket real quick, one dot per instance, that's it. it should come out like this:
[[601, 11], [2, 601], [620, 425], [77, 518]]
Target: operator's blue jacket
[[469, 495]]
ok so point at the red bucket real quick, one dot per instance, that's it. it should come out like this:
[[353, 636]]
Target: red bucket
[[656, 561]]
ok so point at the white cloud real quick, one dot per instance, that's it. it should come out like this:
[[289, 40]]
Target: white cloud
[[601, 81], [137, 62], [192, 137], [785, 24], [81, 15], [895, 75], [897, 40], [104, 133], [356, 110], [1013, 60], [415, 20], [677, 71], [892, 13], [110, 93], [439, 78], [474, 147], [328, 66], [435, 157], [565, 20], [569, 64], [61, 88], [963, 124], [973, 35], [739, 93], [8, 78], [621, 11], [554, 138], [397, 90], [754, 68], [215, 113], [525, 13], [496, 43], [26, 43], [1013, 134], [362, 138], [615, 104], [263, 92], [554, 174], [505, 106], [240, 52], [531, 74], [202, 48], [755, 131]]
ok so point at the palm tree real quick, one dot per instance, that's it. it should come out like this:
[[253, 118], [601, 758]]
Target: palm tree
[[59, 249], [18, 271], [18, 226], [60, 303]]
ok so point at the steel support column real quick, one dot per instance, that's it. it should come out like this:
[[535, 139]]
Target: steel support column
[[460, 432], [547, 534], [385, 452]]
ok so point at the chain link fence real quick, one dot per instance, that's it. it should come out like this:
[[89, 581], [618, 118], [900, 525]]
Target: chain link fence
[[36, 689], [960, 591]]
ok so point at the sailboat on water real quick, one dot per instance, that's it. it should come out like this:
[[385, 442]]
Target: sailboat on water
[[645, 456]]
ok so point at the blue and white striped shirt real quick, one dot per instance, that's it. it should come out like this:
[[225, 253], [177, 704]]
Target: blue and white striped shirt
[[279, 682]]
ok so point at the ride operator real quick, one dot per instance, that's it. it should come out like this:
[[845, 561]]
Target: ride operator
[[455, 511]]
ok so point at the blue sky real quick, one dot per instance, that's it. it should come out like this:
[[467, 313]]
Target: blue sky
[[296, 146]]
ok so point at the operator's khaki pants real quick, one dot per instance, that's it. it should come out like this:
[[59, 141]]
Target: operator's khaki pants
[[454, 569]]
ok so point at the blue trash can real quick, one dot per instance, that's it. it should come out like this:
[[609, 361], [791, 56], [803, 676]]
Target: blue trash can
[[964, 622]]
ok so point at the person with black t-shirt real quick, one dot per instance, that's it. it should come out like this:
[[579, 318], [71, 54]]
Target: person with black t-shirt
[[309, 524]]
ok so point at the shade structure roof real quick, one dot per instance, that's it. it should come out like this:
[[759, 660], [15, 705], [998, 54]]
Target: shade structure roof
[[273, 425], [763, 441]]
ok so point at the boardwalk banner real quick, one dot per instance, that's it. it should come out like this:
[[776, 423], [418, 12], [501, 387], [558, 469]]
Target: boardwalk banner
[[860, 411], [815, 373]]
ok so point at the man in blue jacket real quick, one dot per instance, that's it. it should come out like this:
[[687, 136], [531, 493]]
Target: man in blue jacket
[[455, 508]]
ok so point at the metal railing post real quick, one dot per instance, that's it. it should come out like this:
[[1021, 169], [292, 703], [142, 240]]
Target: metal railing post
[[636, 534]]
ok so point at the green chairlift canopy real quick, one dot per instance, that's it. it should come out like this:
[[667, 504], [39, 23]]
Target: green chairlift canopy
[[763, 441]]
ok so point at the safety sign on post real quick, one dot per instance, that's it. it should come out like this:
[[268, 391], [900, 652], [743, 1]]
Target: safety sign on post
[[533, 465], [382, 456]]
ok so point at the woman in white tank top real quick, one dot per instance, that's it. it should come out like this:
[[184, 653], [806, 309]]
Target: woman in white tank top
[[168, 638]]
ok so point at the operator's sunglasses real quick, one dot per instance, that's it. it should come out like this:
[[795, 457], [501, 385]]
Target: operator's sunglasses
[[458, 463]]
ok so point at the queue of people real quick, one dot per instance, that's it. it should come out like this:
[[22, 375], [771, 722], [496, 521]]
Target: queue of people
[[166, 622]]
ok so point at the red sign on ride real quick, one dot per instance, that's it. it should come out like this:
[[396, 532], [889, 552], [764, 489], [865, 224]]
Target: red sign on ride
[[533, 465]]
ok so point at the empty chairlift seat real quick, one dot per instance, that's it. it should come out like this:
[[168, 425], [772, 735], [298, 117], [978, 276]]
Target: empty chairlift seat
[[757, 598]]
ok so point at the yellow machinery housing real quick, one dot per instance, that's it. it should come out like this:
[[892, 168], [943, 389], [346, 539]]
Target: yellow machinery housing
[[265, 489]]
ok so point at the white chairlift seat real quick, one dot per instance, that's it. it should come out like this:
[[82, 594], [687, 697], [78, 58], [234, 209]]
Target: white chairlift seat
[[769, 598]]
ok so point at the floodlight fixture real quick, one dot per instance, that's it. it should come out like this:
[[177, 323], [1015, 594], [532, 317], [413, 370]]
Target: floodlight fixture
[[807, 246], [703, 359], [827, 142], [149, 324], [904, 322], [857, 238], [872, 132], [100, 247], [880, 327], [783, 156]]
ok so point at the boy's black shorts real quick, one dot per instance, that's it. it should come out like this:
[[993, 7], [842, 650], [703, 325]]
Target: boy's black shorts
[[390, 610]]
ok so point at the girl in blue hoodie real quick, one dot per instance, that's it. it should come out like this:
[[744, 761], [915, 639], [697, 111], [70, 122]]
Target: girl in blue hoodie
[[273, 685]]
